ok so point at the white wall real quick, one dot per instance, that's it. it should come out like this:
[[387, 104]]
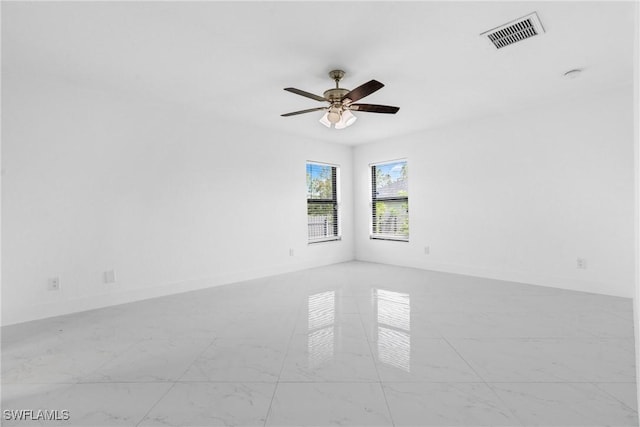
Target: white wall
[[517, 197], [94, 180]]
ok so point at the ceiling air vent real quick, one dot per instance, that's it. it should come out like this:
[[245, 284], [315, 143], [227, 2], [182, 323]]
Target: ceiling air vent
[[515, 31]]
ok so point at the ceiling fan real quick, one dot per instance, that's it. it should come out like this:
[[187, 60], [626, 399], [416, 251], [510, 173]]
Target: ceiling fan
[[341, 102]]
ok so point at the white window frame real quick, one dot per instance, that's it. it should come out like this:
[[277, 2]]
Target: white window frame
[[373, 199], [337, 217]]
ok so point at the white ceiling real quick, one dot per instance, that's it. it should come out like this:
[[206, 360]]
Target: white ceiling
[[232, 60]]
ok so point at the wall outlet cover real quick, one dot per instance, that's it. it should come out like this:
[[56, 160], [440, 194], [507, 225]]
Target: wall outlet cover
[[110, 276], [53, 284]]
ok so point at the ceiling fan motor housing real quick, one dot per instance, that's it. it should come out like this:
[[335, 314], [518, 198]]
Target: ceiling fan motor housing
[[335, 95]]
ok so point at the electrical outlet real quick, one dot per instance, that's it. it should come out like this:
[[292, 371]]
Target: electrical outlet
[[291, 252], [581, 263], [110, 276], [427, 250], [53, 284]]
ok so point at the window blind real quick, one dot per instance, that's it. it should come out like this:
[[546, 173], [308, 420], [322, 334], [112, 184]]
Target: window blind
[[390, 201], [322, 202]]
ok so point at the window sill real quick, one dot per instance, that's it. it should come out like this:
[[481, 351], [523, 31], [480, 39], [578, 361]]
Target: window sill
[[390, 238], [328, 239]]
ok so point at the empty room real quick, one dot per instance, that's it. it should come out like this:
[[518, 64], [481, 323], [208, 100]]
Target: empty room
[[319, 213]]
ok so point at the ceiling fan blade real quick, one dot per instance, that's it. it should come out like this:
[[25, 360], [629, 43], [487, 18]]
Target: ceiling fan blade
[[303, 93], [363, 90], [373, 108], [295, 113]]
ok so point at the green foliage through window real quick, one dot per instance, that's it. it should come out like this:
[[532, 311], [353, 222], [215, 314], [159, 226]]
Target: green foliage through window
[[322, 202], [390, 201]]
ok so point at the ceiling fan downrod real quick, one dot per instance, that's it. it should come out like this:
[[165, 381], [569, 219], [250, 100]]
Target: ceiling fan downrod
[[336, 75], [337, 94]]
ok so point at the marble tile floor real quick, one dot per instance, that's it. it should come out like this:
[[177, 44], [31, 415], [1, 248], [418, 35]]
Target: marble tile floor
[[352, 344]]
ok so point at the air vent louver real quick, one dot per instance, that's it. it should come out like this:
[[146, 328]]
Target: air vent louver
[[515, 31]]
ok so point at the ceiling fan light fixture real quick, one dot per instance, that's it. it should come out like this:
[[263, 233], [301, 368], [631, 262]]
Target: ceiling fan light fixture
[[325, 120], [334, 115], [347, 119]]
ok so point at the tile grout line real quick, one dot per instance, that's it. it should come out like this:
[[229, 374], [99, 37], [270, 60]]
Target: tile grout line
[[156, 404], [595, 384], [284, 360], [511, 411], [111, 359], [175, 382], [375, 365], [207, 347]]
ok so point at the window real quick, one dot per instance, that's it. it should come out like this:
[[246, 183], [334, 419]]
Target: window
[[389, 201], [322, 202]]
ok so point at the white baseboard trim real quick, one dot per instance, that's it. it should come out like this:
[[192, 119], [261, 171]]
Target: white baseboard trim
[[509, 276], [24, 313]]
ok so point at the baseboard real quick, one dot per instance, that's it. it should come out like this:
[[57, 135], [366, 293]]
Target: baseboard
[[25, 313], [511, 276]]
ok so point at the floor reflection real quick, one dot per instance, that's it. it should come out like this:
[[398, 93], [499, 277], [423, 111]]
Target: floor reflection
[[321, 324], [392, 311]]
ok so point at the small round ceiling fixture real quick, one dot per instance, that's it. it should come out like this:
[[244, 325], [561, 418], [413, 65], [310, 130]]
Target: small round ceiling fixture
[[572, 74]]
